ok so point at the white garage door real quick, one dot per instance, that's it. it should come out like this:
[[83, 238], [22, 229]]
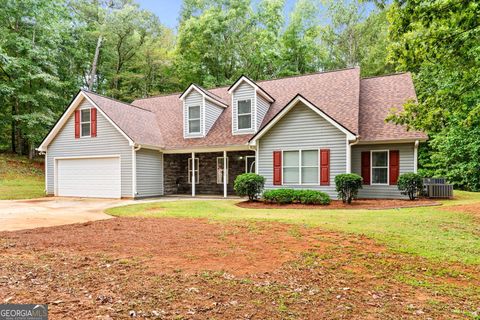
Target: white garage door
[[89, 177]]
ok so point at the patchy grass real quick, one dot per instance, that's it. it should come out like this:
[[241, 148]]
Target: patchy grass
[[20, 178], [172, 268], [430, 232]]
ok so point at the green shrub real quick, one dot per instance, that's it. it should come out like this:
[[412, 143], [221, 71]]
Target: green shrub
[[281, 196], [312, 197], [284, 196], [410, 184], [347, 186], [249, 184]]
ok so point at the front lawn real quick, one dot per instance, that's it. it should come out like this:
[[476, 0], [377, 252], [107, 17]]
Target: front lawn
[[443, 233], [20, 178], [173, 268]]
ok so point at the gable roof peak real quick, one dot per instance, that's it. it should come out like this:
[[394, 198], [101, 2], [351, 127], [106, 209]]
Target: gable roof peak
[[260, 90], [204, 92]]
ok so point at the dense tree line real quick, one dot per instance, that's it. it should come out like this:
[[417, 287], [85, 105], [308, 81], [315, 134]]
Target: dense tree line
[[51, 48], [439, 42]]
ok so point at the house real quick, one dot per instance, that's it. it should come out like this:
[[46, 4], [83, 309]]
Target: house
[[297, 132]]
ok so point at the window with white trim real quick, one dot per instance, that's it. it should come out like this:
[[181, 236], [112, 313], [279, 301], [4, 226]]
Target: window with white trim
[[300, 167], [244, 114], [380, 167], [190, 170], [250, 164], [193, 119], [220, 170], [85, 122], [309, 167]]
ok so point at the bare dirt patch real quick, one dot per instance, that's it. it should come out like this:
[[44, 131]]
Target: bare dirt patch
[[465, 208], [473, 209], [372, 204], [175, 244], [169, 268]]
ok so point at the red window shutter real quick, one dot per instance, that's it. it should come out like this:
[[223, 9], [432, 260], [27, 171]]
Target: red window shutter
[[394, 166], [277, 167], [366, 167], [325, 167], [77, 124], [93, 123]]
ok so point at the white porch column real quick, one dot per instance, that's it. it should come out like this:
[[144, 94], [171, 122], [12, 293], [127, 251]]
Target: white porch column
[[349, 157], [224, 174], [193, 174]]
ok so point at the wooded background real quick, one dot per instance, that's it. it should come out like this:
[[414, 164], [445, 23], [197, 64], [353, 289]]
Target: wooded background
[[51, 48]]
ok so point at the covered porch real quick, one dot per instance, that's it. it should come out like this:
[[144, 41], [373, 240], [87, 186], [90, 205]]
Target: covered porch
[[206, 176]]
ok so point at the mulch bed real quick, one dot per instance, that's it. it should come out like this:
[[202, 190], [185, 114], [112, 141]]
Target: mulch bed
[[372, 204], [166, 268]]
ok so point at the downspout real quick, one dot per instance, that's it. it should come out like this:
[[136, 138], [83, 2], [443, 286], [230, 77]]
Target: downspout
[[46, 172], [415, 156], [44, 153], [255, 148], [349, 153], [134, 169]]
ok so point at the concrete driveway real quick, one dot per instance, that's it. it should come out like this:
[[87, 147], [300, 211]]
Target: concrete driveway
[[47, 212]]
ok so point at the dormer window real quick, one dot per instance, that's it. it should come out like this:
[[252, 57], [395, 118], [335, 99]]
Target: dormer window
[[194, 119], [85, 123], [244, 114], [201, 109], [250, 104]]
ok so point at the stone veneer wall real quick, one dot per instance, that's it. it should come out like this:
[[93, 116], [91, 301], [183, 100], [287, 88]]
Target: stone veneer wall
[[176, 168]]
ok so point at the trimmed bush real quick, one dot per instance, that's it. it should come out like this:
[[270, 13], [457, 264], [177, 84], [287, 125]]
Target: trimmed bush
[[284, 196], [347, 186], [312, 197], [281, 196], [410, 184], [249, 184]]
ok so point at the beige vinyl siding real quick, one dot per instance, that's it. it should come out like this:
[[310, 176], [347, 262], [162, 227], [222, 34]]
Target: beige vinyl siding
[[244, 91], [383, 191], [109, 141], [149, 173], [194, 98], [212, 112], [302, 128], [262, 109]]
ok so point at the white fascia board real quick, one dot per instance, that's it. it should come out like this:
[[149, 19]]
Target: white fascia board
[[75, 103], [263, 94], [186, 92], [278, 117], [363, 142], [218, 103], [209, 149], [147, 146]]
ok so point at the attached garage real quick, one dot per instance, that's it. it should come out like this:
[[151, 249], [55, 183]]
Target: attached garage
[[98, 177]]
